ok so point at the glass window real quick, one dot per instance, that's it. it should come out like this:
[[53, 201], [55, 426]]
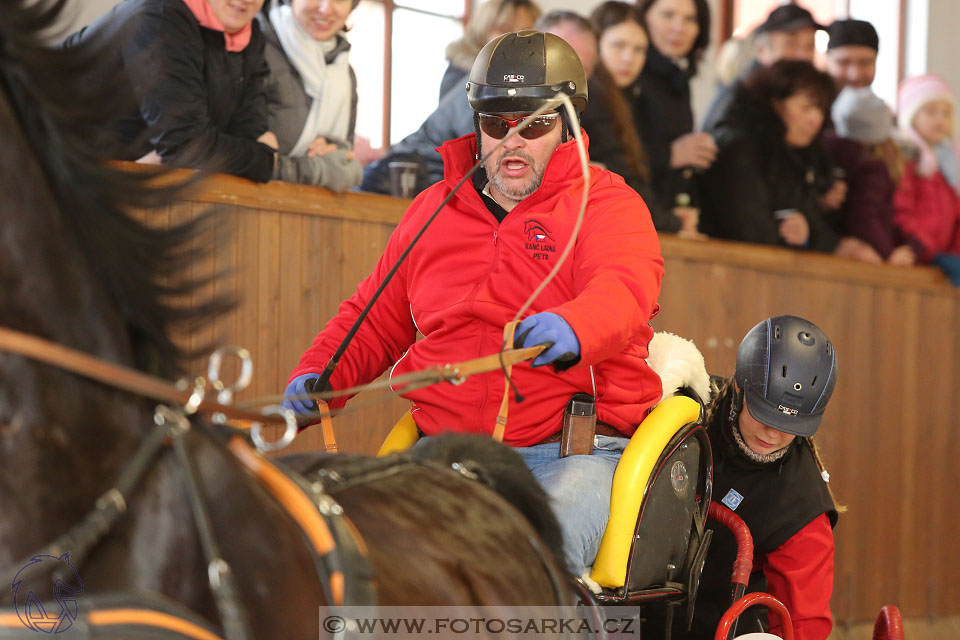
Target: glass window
[[419, 43], [421, 31], [366, 57], [885, 18], [441, 7]]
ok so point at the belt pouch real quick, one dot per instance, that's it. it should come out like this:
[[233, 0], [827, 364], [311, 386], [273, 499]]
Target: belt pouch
[[579, 426]]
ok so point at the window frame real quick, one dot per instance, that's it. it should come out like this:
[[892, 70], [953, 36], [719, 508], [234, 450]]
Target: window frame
[[389, 6]]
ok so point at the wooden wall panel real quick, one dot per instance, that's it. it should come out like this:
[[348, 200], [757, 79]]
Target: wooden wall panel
[[889, 437]]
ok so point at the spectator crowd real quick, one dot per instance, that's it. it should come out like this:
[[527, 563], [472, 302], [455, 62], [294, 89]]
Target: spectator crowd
[[788, 154]]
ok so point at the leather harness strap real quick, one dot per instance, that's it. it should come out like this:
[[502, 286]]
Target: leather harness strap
[[147, 618], [125, 617], [454, 373], [342, 554], [293, 500], [501, 424], [117, 376]]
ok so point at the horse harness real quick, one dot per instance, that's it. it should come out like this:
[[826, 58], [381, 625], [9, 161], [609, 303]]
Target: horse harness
[[339, 553]]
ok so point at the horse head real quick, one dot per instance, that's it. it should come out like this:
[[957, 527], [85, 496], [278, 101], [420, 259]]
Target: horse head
[[75, 269]]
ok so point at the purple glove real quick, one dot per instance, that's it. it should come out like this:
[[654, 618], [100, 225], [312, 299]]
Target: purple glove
[[563, 347], [299, 403]]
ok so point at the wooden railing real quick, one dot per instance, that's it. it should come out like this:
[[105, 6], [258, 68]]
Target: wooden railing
[[292, 253]]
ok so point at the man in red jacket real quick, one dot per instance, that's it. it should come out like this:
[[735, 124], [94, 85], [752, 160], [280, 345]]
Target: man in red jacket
[[489, 248]]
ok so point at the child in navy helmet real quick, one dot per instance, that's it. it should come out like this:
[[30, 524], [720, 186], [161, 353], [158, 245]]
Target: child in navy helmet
[[767, 469]]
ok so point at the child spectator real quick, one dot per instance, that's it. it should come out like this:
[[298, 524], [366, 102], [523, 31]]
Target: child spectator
[[192, 73], [927, 204], [312, 91], [864, 147]]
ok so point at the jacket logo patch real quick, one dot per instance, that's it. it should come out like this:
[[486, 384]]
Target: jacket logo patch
[[732, 499], [512, 77], [539, 243], [787, 410]]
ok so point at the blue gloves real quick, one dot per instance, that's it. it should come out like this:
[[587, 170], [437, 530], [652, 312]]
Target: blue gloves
[[300, 386], [563, 347], [949, 263]]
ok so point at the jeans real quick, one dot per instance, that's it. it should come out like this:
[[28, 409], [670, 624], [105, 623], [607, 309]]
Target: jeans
[[579, 489]]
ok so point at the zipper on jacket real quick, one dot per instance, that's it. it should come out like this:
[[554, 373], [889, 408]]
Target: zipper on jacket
[[485, 387]]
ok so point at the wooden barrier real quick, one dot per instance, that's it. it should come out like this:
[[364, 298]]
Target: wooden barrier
[[292, 253]]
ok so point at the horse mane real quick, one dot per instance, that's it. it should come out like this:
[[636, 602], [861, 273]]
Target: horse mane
[[145, 269]]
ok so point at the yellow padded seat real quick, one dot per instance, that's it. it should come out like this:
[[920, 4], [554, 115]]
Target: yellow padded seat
[[402, 436], [630, 482]]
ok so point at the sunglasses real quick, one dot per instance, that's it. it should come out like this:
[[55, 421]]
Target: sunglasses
[[498, 126]]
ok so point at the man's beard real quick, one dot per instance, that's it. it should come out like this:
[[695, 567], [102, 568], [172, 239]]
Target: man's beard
[[501, 183]]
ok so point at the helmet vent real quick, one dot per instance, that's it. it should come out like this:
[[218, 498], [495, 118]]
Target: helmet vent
[[784, 371], [814, 381], [776, 332]]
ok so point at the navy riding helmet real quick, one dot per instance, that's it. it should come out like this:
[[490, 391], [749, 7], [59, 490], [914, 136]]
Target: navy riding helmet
[[787, 368]]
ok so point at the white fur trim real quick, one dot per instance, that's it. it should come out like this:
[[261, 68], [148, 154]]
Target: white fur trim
[[590, 582], [679, 363]]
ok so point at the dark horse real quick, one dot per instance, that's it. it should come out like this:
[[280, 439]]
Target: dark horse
[[76, 270]]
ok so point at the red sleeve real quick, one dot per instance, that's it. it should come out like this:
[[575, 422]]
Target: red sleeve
[[383, 336], [905, 214], [800, 574], [617, 273]]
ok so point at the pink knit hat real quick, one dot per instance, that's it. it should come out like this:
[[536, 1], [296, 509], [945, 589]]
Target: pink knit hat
[[914, 93]]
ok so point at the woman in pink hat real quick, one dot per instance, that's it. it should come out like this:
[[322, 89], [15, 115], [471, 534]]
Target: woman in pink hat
[[927, 199]]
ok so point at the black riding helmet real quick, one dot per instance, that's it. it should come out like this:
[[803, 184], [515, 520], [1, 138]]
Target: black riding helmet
[[518, 72], [787, 368]]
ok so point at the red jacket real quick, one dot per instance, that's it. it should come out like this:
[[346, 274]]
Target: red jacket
[[800, 575], [928, 213], [468, 275]]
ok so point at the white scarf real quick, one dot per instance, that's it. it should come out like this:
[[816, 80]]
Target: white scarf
[[328, 84]]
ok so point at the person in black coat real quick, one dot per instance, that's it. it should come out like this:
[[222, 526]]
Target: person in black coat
[[764, 187], [192, 77], [679, 33], [610, 118]]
